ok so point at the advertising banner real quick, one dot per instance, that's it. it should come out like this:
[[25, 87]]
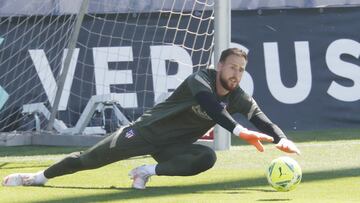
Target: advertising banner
[[303, 70]]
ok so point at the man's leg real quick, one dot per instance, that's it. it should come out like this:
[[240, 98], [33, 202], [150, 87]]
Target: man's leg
[[175, 160], [184, 160], [120, 145]]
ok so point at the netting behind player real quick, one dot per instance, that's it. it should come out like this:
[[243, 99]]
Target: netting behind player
[[136, 56]]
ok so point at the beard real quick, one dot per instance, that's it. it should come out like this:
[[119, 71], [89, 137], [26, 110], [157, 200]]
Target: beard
[[227, 84]]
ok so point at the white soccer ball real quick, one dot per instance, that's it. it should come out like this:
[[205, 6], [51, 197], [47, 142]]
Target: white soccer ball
[[284, 174]]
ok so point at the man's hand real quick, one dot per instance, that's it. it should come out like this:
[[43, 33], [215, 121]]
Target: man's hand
[[254, 138], [287, 146]]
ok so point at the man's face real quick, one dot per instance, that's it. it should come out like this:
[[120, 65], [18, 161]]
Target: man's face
[[231, 71]]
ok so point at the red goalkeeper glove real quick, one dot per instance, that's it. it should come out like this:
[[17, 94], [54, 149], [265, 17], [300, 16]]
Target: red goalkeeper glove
[[287, 146], [252, 137]]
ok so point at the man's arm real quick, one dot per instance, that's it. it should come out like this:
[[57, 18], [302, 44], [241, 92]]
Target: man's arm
[[213, 108], [263, 123], [220, 115]]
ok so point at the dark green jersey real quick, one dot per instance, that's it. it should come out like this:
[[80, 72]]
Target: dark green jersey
[[181, 119]]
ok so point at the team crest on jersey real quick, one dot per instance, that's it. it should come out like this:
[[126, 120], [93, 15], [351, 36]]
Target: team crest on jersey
[[198, 111], [130, 134]]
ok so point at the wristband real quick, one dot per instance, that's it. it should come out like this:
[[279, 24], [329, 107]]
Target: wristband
[[238, 129]]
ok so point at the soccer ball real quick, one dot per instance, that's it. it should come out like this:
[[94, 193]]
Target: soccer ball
[[284, 174]]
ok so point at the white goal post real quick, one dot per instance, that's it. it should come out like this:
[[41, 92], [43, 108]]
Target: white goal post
[[222, 39]]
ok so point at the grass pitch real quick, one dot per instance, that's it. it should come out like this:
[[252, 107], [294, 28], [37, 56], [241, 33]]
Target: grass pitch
[[330, 162]]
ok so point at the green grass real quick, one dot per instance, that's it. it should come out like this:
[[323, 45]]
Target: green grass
[[330, 161]]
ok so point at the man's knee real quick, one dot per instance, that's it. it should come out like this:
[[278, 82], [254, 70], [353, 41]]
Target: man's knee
[[84, 160], [73, 161], [205, 160]]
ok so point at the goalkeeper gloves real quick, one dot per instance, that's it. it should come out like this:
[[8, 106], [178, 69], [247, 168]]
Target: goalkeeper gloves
[[252, 137], [287, 146], [255, 138]]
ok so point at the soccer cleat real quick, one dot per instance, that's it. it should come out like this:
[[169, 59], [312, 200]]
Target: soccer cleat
[[140, 177], [22, 179]]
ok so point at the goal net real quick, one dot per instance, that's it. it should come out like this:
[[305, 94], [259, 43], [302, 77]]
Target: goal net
[[128, 56]]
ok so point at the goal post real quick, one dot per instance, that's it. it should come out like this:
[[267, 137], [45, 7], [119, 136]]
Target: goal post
[[222, 39]]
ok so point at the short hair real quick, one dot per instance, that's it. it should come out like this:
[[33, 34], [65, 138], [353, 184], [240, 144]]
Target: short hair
[[232, 51]]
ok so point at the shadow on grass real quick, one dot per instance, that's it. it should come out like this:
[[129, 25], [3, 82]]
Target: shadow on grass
[[237, 186]]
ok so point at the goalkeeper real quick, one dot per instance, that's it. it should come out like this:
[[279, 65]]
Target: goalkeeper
[[168, 131]]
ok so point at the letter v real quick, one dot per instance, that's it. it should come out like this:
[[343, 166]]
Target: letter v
[[47, 78]]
